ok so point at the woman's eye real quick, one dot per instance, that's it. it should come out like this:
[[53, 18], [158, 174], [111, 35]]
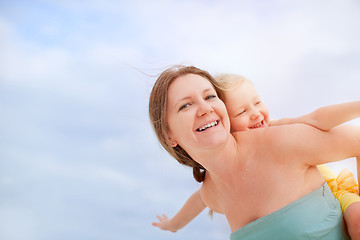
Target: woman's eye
[[211, 96], [184, 106]]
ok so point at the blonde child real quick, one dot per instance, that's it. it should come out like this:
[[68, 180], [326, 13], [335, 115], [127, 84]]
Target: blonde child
[[247, 112]]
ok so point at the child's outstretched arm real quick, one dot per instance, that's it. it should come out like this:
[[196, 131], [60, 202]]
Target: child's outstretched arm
[[327, 117], [193, 206]]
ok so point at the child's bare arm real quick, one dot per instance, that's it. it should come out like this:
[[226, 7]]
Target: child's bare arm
[[192, 207], [327, 117]]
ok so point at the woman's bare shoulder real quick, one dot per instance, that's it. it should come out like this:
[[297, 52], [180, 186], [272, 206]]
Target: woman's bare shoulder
[[290, 131], [273, 133]]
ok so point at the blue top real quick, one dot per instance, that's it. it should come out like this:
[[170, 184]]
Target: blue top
[[317, 215]]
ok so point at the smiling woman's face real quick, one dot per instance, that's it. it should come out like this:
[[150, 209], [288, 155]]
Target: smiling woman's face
[[197, 118]]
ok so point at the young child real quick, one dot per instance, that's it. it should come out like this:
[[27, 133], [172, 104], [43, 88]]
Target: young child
[[246, 112]]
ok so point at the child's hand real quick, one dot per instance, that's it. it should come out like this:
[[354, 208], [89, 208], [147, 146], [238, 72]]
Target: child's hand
[[164, 223]]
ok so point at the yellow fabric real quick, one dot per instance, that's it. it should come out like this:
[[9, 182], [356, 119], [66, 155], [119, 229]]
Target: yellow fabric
[[343, 186]]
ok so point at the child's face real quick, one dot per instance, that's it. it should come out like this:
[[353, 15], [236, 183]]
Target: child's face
[[245, 108]]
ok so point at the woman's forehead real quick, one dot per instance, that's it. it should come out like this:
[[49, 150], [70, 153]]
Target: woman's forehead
[[187, 85], [191, 81]]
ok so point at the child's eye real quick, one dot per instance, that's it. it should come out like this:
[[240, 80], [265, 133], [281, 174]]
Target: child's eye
[[210, 97], [257, 103], [184, 106], [241, 113]]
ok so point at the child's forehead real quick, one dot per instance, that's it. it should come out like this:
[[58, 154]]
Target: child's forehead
[[241, 95], [246, 88]]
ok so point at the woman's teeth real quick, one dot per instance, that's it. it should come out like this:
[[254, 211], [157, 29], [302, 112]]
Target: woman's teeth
[[212, 124]]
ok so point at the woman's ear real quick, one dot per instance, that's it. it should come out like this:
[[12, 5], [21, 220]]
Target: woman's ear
[[173, 142]]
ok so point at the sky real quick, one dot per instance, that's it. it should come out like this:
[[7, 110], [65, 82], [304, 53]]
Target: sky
[[78, 156]]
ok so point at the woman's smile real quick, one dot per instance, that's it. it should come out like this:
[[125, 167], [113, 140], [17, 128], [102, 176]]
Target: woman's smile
[[207, 126]]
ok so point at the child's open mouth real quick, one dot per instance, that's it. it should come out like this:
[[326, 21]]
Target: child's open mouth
[[259, 125]]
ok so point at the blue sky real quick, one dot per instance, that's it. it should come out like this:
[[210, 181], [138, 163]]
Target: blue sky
[[78, 157]]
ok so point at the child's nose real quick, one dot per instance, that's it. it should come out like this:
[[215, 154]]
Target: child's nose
[[255, 114]]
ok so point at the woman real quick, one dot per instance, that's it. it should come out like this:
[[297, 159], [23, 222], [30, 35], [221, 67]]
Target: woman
[[264, 181]]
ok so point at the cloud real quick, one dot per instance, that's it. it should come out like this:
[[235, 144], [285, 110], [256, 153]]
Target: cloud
[[14, 218], [77, 141], [244, 37]]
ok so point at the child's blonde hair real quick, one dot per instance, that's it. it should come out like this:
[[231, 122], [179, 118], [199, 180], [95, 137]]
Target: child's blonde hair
[[228, 81]]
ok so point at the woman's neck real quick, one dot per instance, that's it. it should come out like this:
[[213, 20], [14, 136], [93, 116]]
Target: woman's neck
[[219, 161]]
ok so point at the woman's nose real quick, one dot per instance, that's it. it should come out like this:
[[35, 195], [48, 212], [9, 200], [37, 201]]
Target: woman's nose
[[204, 108]]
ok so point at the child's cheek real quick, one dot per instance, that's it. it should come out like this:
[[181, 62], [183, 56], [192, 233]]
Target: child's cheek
[[238, 125]]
